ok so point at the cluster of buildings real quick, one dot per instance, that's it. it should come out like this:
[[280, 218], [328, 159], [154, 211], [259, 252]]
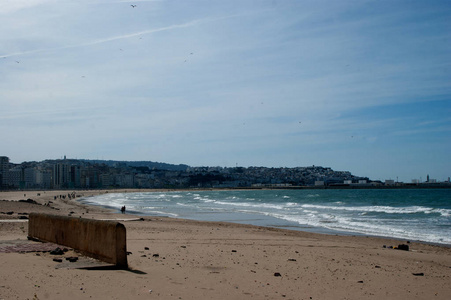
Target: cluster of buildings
[[88, 174]]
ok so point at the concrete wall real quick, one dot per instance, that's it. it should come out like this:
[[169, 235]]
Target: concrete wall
[[103, 240]]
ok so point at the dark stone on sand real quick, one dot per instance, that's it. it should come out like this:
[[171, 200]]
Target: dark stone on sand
[[58, 260], [57, 251], [72, 259], [129, 253], [156, 255], [291, 259], [277, 274], [29, 201], [233, 250], [9, 212], [143, 255], [146, 248], [418, 274], [403, 247], [360, 281], [23, 218]]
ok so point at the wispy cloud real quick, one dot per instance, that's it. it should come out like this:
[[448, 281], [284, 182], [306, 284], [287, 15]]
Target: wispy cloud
[[110, 39]]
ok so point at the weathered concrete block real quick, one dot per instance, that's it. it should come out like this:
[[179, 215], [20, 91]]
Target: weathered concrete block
[[103, 240]]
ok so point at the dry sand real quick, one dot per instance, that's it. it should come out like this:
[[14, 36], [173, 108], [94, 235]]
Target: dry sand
[[180, 259]]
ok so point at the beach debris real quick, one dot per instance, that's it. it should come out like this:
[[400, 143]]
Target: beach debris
[[360, 281], [72, 259], [129, 253], [403, 247], [291, 259], [183, 246], [29, 201], [418, 274], [277, 274], [57, 251], [234, 251], [156, 255], [146, 248], [58, 260]]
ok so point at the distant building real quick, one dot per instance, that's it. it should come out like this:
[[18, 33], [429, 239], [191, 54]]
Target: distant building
[[389, 182], [4, 166]]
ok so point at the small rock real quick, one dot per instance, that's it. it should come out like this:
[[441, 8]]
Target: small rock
[[146, 248], [291, 259], [72, 259], [418, 274], [360, 281], [156, 255], [403, 247], [129, 253], [277, 274], [9, 212], [58, 260], [233, 250], [57, 251]]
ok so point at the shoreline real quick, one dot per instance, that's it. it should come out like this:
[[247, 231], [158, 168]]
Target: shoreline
[[270, 222], [185, 259], [44, 194]]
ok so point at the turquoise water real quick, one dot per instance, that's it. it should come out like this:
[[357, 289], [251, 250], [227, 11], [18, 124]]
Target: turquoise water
[[411, 214]]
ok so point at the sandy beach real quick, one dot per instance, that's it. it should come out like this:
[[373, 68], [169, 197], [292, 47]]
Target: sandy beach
[[182, 259]]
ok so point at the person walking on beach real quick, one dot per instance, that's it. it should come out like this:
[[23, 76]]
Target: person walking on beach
[[123, 209]]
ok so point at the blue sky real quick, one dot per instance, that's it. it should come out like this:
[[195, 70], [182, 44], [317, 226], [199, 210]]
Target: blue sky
[[362, 85]]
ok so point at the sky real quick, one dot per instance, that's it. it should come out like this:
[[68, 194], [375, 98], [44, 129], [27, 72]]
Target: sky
[[361, 86]]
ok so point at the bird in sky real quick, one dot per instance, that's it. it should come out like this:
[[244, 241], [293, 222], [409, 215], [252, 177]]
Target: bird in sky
[[133, 5]]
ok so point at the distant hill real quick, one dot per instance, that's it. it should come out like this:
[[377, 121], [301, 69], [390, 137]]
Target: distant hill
[[150, 164]]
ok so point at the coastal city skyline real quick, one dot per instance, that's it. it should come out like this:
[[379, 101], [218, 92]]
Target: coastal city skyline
[[359, 86], [69, 173]]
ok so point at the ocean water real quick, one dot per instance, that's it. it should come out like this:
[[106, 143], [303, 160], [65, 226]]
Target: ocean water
[[411, 214]]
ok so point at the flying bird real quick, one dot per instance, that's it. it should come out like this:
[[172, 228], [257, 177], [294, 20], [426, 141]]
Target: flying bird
[[133, 5]]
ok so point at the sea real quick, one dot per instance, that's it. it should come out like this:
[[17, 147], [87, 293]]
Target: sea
[[408, 214]]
